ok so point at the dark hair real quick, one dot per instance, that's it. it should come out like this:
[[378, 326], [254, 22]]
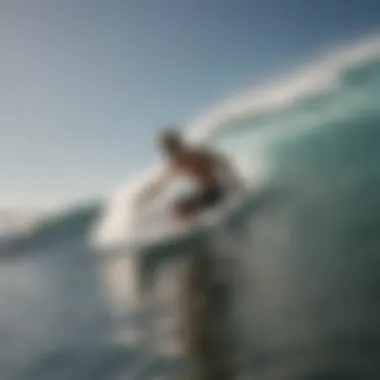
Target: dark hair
[[170, 139]]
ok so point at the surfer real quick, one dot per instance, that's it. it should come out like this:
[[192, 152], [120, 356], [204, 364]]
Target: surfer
[[211, 172]]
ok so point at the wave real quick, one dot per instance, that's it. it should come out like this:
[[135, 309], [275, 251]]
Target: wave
[[328, 87], [319, 74], [67, 222], [54, 228], [276, 107]]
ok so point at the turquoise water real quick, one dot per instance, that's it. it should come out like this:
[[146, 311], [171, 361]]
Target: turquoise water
[[307, 288]]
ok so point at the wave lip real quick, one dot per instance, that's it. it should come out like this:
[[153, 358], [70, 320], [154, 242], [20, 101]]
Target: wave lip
[[322, 73]]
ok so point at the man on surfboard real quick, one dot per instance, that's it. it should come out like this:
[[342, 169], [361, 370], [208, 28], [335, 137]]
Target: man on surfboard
[[210, 172]]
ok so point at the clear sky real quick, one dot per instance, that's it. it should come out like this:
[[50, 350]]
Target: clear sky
[[84, 84]]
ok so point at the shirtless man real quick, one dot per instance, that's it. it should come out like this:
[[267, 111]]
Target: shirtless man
[[209, 171]]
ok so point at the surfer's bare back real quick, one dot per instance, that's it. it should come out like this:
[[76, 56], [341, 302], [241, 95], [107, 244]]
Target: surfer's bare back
[[210, 171]]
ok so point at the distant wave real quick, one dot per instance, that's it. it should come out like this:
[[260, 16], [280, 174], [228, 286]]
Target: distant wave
[[257, 110], [66, 222], [59, 226]]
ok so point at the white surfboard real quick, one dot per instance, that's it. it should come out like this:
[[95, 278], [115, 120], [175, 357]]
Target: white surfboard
[[166, 233]]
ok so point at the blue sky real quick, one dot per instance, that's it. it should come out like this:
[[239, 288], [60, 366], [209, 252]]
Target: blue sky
[[86, 83]]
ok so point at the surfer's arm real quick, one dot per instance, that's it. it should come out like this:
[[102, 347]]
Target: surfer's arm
[[229, 173], [155, 188]]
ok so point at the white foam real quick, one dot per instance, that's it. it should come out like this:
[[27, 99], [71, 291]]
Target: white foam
[[321, 73], [324, 72]]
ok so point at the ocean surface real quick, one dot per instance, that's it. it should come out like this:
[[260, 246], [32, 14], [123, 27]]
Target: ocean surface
[[307, 284]]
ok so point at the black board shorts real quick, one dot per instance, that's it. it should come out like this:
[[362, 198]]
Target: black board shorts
[[211, 196], [204, 199]]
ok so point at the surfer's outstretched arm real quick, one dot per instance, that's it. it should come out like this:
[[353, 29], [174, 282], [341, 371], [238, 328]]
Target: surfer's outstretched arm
[[155, 188]]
